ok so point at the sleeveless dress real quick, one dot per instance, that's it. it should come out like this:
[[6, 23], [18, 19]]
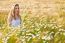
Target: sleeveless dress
[[15, 22]]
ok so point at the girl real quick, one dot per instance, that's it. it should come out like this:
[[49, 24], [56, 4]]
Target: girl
[[14, 18]]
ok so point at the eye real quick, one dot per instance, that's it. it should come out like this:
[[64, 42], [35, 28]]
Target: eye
[[16, 8]]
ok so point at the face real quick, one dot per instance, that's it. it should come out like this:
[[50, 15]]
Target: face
[[16, 9]]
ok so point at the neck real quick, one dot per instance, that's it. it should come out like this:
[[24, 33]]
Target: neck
[[16, 16]]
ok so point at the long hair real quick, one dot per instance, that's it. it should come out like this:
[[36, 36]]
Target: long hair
[[12, 15], [14, 11]]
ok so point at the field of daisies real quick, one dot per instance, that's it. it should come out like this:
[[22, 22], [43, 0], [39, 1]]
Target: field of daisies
[[40, 28]]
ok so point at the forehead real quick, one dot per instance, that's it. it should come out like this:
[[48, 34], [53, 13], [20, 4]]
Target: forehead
[[16, 6]]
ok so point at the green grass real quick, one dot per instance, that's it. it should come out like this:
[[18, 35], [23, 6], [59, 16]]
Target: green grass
[[36, 29]]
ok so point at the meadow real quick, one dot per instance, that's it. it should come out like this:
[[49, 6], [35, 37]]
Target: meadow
[[40, 28]]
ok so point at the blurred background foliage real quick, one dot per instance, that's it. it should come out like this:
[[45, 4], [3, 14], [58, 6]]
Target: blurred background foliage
[[35, 29], [41, 22]]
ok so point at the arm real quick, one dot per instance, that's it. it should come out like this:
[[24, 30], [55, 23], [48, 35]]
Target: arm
[[9, 19], [20, 21]]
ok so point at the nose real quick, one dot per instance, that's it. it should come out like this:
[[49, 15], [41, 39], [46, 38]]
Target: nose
[[17, 9]]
